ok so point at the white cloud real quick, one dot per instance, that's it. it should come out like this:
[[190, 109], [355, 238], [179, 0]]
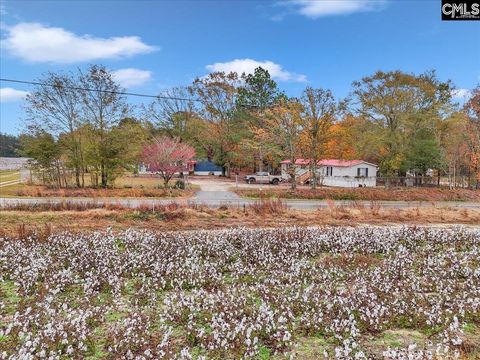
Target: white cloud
[[248, 66], [8, 94], [461, 94], [39, 43], [319, 8], [131, 77]]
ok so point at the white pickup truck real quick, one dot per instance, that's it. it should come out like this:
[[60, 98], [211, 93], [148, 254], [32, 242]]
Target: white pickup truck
[[263, 178]]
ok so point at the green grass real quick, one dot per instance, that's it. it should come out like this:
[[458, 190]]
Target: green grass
[[7, 176], [470, 328], [264, 353], [313, 347], [9, 295]]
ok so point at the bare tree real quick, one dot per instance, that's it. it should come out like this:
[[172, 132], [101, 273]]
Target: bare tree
[[173, 111], [54, 106], [318, 114], [104, 107], [217, 93]]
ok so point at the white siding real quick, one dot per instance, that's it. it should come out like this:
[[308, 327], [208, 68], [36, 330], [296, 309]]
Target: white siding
[[347, 176], [342, 176]]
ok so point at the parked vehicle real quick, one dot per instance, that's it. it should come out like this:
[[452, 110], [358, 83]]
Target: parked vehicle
[[263, 177]]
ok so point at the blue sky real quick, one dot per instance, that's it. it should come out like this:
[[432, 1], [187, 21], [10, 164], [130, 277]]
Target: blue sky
[[153, 45]]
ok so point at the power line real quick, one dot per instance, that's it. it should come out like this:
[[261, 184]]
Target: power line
[[98, 90]]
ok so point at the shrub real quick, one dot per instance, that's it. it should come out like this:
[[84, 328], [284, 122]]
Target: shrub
[[180, 184], [269, 206]]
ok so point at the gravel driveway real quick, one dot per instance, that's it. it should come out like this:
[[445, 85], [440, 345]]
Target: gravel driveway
[[214, 190]]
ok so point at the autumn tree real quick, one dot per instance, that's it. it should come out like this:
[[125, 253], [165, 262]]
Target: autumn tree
[[167, 156], [45, 154], [258, 93], [54, 106], [400, 103], [131, 135], [423, 153], [217, 93], [285, 127], [354, 137], [319, 109], [173, 112], [104, 107], [472, 109], [453, 145]]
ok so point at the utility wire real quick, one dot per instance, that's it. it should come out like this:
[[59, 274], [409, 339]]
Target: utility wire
[[98, 90], [110, 92]]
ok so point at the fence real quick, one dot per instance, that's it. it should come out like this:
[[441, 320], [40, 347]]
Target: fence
[[425, 181]]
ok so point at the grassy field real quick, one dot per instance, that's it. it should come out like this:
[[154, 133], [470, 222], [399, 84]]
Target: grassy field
[[9, 175], [334, 292], [369, 194], [126, 186], [9, 182]]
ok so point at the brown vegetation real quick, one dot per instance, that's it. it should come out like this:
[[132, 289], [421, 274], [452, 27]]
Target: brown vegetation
[[25, 219], [369, 194], [45, 191]]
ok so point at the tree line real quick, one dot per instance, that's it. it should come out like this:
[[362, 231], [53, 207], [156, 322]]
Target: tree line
[[80, 125]]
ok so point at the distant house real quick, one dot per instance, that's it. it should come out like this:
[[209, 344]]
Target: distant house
[[14, 163], [333, 172], [196, 167], [206, 167], [186, 168]]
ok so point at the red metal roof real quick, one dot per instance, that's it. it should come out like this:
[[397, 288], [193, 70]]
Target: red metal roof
[[329, 162]]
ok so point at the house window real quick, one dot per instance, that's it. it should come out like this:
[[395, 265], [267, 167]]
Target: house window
[[329, 171], [362, 172]]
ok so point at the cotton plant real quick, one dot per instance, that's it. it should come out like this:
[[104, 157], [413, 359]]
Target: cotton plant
[[234, 293]]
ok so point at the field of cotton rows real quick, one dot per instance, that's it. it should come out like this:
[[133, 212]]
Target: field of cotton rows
[[334, 293]]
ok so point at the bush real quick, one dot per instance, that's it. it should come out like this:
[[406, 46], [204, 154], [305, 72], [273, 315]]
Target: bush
[[269, 206], [179, 184]]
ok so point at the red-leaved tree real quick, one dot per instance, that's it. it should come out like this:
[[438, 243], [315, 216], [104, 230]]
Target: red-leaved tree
[[167, 156]]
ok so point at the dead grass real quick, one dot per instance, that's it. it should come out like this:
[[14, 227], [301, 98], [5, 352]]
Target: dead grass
[[269, 207], [369, 194], [176, 216], [44, 191], [9, 175]]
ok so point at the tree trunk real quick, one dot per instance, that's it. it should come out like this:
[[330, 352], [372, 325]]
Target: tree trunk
[[77, 176], [293, 180], [292, 172], [76, 155], [104, 174], [228, 169], [260, 160], [314, 173], [59, 180]]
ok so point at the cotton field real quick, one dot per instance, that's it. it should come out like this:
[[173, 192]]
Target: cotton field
[[333, 293]]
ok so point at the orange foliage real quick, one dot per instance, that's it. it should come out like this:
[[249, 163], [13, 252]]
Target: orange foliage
[[472, 109], [339, 145]]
